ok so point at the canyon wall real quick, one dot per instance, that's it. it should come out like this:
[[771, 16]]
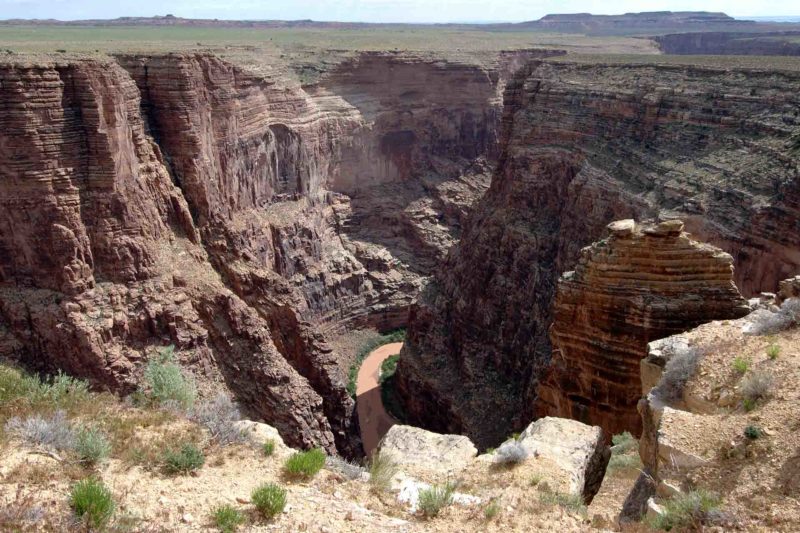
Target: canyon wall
[[643, 282], [180, 199], [583, 145], [783, 43]]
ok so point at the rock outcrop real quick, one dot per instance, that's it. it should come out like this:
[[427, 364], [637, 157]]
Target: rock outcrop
[[583, 145], [642, 283], [581, 451], [708, 425], [416, 450]]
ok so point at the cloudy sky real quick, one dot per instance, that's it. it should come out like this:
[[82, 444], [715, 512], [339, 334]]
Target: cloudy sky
[[375, 10]]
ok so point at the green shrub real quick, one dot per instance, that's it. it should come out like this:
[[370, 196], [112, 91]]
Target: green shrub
[[268, 447], [434, 499], [741, 364], [773, 351], [305, 464], [491, 510], [92, 446], [269, 499], [536, 479], [686, 511], [166, 384], [187, 459], [227, 518], [629, 461], [571, 502], [398, 335], [382, 468], [92, 502], [753, 432], [623, 443], [61, 392], [389, 366], [748, 404]]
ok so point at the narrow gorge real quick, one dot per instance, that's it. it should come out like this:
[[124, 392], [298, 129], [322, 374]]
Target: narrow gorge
[[184, 199]]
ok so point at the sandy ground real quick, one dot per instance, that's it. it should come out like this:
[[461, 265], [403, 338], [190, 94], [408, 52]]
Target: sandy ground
[[372, 417]]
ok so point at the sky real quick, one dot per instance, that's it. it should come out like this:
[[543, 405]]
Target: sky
[[376, 10]]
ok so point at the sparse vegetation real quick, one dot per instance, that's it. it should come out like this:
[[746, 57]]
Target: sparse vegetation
[[53, 432], [398, 335], [677, 372], [756, 386], [571, 502], [623, 452], [166, 384], [753, 432], [92, 502], [492, 509], [187, 458], [535, 480], [92, 446], [21, 514], [690, 510], [347, 468], [435, 498], [269, 499], [227, 518], [305, 464], [382, 468], [773, 351], [741, 364], [25, 392], [219, 415], [511, 452], [268, 448]]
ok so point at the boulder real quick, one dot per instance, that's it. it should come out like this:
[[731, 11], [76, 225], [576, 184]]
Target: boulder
[[426, 454], [258, 433], [579, 449]]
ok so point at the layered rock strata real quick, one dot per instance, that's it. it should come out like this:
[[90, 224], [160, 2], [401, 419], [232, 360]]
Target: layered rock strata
[[642, 283], [179, 199], [583, 145]]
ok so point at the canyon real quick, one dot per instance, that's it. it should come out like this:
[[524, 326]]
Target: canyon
[[583, 145], [269, 217]]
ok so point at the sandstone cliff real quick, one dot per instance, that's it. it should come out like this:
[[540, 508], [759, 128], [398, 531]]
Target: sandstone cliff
[[582, 145], [641, 283], [181, 199]]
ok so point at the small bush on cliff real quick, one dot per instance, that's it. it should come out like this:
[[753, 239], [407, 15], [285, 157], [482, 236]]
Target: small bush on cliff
[[382, 468], [22, 390], [219, 415], [571, 502], [436, 498], [54, 432], [624, 454], [773, 351], [691, 510], [741, 365], [305, 464], [348, 469], [757, 385], [511, 452], [398, 335], [92, 446], [753, 432], [268, 447], [492, 509], [92, 502], [623, 443], [187, 458], [227, 518], [269, 499], [676, 374], [166, 384]]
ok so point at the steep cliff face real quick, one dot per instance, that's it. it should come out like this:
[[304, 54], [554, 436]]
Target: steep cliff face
[[641, 283], [177, 198], [583, 145]]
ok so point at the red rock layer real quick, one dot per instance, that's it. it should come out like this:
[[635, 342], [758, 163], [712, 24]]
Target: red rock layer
[[583, 145], [642, 283]]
